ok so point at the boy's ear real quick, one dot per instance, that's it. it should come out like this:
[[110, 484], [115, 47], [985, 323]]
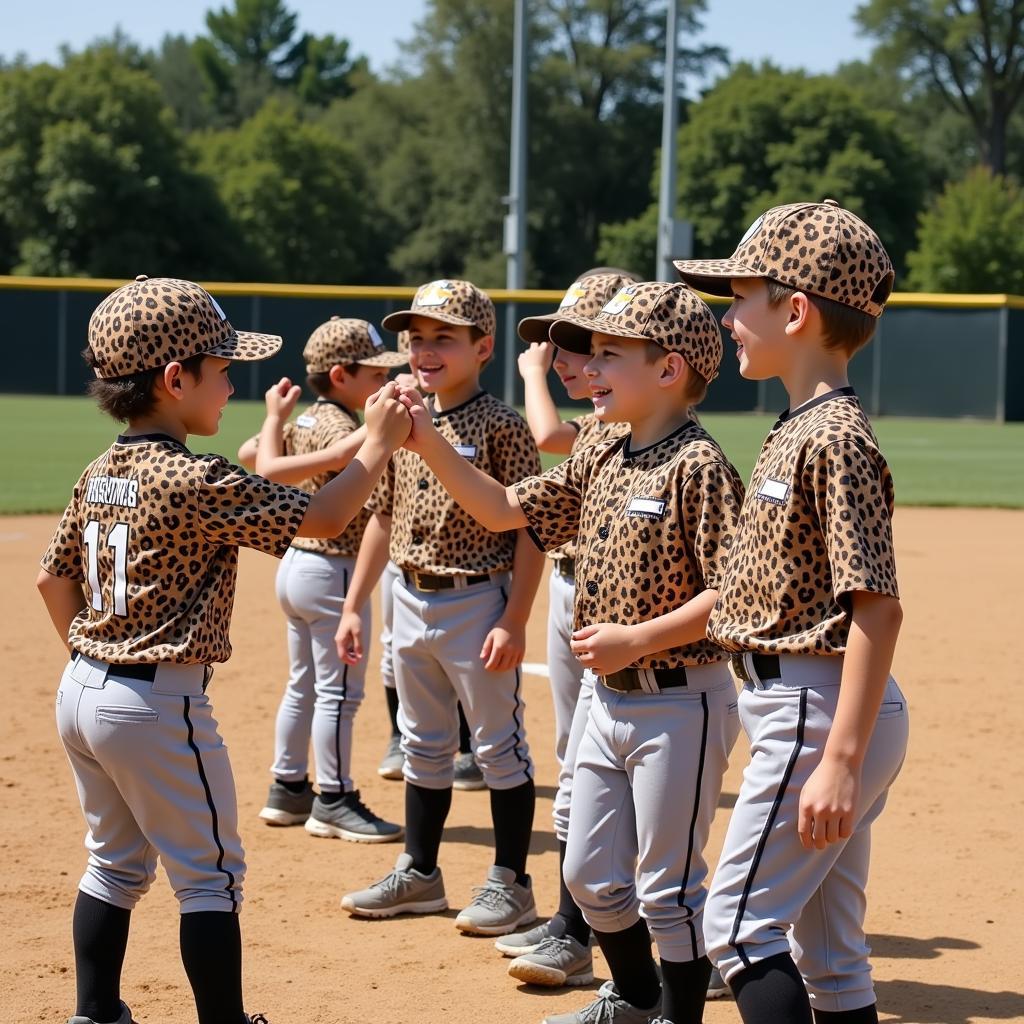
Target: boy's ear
[[673, 370], [485, 346], [170, 381], [337, 374], [800, 310]]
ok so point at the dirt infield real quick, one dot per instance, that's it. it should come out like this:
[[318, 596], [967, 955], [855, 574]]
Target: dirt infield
[[946, 899]]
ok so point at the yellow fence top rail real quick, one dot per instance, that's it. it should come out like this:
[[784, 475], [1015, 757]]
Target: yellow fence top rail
[[395, 292]]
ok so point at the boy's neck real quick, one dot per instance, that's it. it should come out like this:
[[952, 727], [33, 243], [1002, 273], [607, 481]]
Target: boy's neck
[[657, 424], [157, 423], [339, 397], [810, 378], [449, 398]]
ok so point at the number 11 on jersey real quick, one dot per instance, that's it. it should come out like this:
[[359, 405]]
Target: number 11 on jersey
[[117, 539]]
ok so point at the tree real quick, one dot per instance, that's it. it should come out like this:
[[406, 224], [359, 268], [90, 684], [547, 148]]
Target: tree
[[298, 196], [970, 51], [761, 137], [971, 238]]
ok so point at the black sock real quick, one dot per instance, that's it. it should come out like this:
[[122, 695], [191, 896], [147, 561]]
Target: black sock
[[465, 746], [512, 817], [684, 990], [330, 798], [425, 814], [295, 787], [631, 964], [864, 1015], [771, 992], [391, 694], [100, 932], [568, 919], [211, 950]]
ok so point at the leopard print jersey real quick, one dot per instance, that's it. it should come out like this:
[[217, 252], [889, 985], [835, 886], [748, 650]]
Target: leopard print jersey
[[320, 426], [816, 526], [589, 430], [152, 533], [655, 528], [429, 531]]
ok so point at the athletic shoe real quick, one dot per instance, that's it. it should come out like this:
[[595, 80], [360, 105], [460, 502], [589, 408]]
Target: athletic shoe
[[391, 763], [608, 1008], [404, 891], [467, 773], [555, 962], [521, 943], [285, 807], [499, 906], [349, 818], [125, 1018], [717, 987]]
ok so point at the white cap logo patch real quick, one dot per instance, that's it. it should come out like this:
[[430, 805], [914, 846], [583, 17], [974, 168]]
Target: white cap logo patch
[[375, 338], [750, 231], [576, 292], [620, 301], [437, 293], [216, 306]]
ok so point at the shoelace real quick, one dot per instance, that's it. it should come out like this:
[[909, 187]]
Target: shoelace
[[491, 895], [392, 884], [600, 1011], [553, 944]]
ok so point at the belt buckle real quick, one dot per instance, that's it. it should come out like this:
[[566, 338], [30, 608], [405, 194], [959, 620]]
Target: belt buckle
[[739, 668], [419, 586]]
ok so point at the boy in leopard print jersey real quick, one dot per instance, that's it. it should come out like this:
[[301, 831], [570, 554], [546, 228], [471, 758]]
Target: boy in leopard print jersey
[[810, 609], [139, 581]]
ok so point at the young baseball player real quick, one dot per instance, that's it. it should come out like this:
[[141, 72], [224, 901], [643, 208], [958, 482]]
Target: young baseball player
[[810, 609], [570, 689], [654, 513], [459, 620], [346, 362], [139, 581]]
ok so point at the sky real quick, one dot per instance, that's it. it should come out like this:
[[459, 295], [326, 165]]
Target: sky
[[813, 34]]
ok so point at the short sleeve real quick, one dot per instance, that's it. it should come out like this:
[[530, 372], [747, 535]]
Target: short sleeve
[[287, 438], [382, 499], [552, 503], [514, 455], [246, 510], [853, 495], [711, 501], [63, 556]]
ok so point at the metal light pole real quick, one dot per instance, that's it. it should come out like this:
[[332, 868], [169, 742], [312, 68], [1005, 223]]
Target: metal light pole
[[515, 219]]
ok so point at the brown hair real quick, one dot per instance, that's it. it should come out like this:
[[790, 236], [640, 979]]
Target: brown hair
[[129, 397], [696, 385], [845, 328], [320, 383]]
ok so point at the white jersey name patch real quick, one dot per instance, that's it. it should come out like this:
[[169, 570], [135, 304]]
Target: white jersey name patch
[[112, 490], [467, 451], [646, 508], [306, 421], [774, 491]]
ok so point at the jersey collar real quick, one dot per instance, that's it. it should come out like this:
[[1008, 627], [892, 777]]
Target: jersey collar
[[455, 408], [337, 405], [149, 439], [633, 453], [813, 403]]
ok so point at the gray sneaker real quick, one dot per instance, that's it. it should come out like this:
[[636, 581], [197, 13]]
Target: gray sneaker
[[718, 988], [608, 1008], [284, 807], [467, 773], [520, 943], [349, 818], [404, 891], [554, 963], [125, 1018], [499, 906], [391, 763]]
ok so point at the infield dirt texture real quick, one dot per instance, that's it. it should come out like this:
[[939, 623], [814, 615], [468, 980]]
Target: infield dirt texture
[[946, 901]]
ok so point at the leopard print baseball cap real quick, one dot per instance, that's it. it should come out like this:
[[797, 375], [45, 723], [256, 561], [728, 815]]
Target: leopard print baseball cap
[[584, 297], [452, 302], [671, 315], [345, 341], [819, 248], [155, 321]]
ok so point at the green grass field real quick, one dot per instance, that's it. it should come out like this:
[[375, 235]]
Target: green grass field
[[934, 462]]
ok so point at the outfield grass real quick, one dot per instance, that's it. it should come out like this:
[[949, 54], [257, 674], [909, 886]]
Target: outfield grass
[[935, 462]]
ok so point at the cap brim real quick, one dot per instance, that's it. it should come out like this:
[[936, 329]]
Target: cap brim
[[534, 329], [387, 358], [400, 321], [247, 347], [713, 276], [573, 332]]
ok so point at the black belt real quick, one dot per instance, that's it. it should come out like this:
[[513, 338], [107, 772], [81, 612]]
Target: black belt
[[628, 679], [566, 567], [765, 665], [147, 673], [428, 582]]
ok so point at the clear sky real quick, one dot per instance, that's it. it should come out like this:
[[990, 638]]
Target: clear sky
[[814, 34]]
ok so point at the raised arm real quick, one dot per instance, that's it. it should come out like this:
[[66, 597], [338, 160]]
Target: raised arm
[[247, 454], [549, 430], [490, 503], [294, 469]]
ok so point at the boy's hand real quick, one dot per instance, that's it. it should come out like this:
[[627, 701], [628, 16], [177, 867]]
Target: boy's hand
[[406, 380], [604, 647], [504, 646], [281, 398], [348, 638], [827, 804], [539, 356], [422, 423], [387, 419]]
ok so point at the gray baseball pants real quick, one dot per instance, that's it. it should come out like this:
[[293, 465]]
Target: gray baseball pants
[[154, 780], [323, 693], [770, 895], [648, 778], [387, 616], [437, 637], [567, 766]]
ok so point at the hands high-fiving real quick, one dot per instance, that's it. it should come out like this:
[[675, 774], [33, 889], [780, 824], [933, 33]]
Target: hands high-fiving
[[387, 419], [419, 414]]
